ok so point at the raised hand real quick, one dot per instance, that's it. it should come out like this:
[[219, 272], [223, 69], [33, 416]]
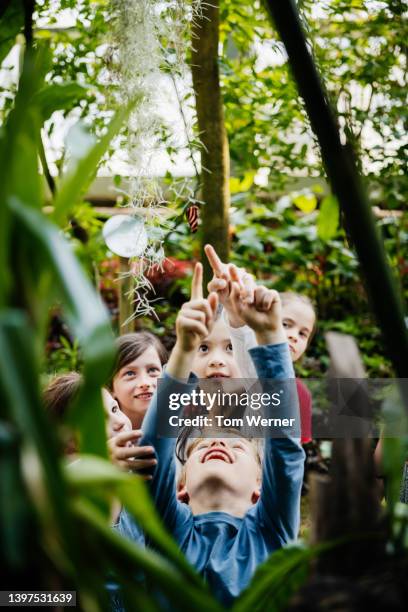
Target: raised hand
[[194, 323], [224, 275], [263, 315], [196, 317]]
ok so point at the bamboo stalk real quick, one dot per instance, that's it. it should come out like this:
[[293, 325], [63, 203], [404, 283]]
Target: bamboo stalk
[[340, 163]]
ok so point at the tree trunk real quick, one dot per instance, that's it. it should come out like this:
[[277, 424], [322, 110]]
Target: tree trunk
[[210, 115]]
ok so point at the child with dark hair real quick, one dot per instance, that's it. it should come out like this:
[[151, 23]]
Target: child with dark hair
[[139, 363]]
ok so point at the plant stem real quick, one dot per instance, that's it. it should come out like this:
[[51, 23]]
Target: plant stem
[[44, 164], [28, 21]]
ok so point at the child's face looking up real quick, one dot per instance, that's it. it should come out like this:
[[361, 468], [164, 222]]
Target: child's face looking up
[[298, 320], [214, 357], [135, 383], [117, 420], [216, 466]]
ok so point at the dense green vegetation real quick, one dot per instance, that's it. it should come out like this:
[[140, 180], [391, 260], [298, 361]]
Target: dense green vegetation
[[280, 239], [54, 521]]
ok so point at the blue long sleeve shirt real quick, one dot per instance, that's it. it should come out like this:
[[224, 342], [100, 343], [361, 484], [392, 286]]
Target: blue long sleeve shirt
[[224, 548]]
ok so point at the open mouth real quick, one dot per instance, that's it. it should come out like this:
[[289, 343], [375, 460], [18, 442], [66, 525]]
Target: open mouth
[[144, 396], [216, 453]]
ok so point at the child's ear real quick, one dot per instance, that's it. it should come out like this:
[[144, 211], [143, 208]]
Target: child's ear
[[182, 494], [256, 494]]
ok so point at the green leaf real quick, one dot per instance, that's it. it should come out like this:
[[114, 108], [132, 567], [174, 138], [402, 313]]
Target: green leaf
[[235, 185], [305, 202], [317, 189], [16, 512], [238, 186], [93, 473], [78, 178], [163, 574], [247, 181], [19, 174], [85, 314], [249, 237], [276, 580], [328, 220], [21, 405], [11, 23], [55, 96]]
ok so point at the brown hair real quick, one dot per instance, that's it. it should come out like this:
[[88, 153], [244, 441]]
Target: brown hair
[[130, 346], [57, 397], [291, 296], [60, 392]]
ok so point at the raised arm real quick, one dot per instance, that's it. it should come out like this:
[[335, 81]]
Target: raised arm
[[193, 323], [242, 337], [278, 509], [163, 483]]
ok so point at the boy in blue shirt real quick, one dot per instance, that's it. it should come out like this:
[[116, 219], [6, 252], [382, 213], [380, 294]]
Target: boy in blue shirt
[[235, 514]]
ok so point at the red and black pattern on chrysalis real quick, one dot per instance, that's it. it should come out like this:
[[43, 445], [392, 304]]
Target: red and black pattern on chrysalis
[[192, 215]]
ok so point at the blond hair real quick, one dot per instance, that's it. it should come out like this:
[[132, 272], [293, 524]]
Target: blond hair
[[184, 449]]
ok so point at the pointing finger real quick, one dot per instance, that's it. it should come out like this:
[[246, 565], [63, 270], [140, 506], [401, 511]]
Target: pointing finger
[[197, 282], [235, 275], [214, 261]]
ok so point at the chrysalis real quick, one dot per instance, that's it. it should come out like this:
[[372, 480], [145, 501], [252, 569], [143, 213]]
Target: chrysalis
[[192, 217]]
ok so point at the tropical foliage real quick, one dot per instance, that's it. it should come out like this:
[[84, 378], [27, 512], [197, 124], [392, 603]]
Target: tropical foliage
[[54, 520]]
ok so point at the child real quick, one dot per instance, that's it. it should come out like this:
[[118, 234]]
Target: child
[[140, 360], [229, 526], [299, 321], [59, 395], [139, 363], [215, 357]]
